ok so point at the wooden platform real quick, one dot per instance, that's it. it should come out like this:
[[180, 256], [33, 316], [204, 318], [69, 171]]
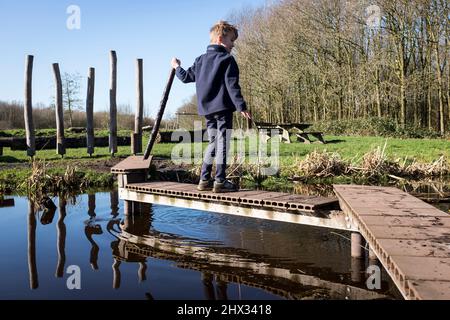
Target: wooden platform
[[410, 237], [275, 206], [247, 197]]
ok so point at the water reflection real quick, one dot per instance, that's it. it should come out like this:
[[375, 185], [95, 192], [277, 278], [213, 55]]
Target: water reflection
[[220, 265], [61, 234], [92, 228], [158, 249], [34, 282]]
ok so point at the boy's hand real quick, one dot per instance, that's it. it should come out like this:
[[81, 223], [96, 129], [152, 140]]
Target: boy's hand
[[246, 114], [175, 63]]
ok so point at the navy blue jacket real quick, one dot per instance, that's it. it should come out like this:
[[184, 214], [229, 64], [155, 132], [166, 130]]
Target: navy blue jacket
[[216, 75]]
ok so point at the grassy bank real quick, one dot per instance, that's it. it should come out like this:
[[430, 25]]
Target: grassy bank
[[351, 151], [348, 147], [52, 179]]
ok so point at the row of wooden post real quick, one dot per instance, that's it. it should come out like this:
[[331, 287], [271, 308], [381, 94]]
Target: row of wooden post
[[136, 138]]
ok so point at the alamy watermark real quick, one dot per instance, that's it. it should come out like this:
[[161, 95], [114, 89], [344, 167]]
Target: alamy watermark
[[74, 280], [374, 280], [73, 21], [373, 16]]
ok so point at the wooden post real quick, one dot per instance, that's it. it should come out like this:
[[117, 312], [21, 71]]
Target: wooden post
[[113, 105], [90, 141], [356, 245], [28, 108], [137, 136], [116, 274], [60, 144]]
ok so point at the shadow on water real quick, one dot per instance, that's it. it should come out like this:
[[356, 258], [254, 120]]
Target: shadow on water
[[190, 254]]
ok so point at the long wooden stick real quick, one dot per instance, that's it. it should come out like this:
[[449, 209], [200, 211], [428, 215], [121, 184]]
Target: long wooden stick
[[160, 115]]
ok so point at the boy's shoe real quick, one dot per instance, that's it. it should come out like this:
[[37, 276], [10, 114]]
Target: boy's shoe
[[205, 185], [225, 186]]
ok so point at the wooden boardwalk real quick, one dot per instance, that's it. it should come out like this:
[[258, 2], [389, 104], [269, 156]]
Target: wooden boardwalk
[[276, 206], [410, 237]]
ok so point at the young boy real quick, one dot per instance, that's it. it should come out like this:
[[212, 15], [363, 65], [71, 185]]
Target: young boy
[[216, 75]]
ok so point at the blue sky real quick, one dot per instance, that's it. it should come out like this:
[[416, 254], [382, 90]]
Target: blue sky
[[152, 30]]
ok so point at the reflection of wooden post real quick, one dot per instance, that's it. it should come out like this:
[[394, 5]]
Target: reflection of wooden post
[[113, 104], [116, 274], [32, 269], [28, 108], [61, 230], [136, 141], [91, 205], [60, 148], [141, 271], [90, 112], [114, 197], [356, 269]]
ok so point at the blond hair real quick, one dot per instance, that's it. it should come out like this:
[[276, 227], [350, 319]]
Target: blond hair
[[222, 28]]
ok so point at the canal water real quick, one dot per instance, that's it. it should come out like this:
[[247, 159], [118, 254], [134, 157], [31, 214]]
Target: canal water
[[88, 248]]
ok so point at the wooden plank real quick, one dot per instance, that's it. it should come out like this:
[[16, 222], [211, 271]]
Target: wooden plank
[[423, 268], [415, 248], [430, 290], [403, 221], [441, 235], [132, 163], [410, 237], [398, 212]]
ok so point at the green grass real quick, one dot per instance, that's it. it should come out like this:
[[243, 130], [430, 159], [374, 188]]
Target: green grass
[[350, 148]]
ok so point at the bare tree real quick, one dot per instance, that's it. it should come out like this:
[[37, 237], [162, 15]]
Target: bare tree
[[71, 83]]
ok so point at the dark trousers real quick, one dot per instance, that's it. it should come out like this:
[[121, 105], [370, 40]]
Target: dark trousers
[[219, 127]]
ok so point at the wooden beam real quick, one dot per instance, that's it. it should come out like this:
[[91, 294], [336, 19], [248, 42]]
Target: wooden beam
[[90, 140], [137, 138], [28, 108], [113, 104], [59, 110]]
